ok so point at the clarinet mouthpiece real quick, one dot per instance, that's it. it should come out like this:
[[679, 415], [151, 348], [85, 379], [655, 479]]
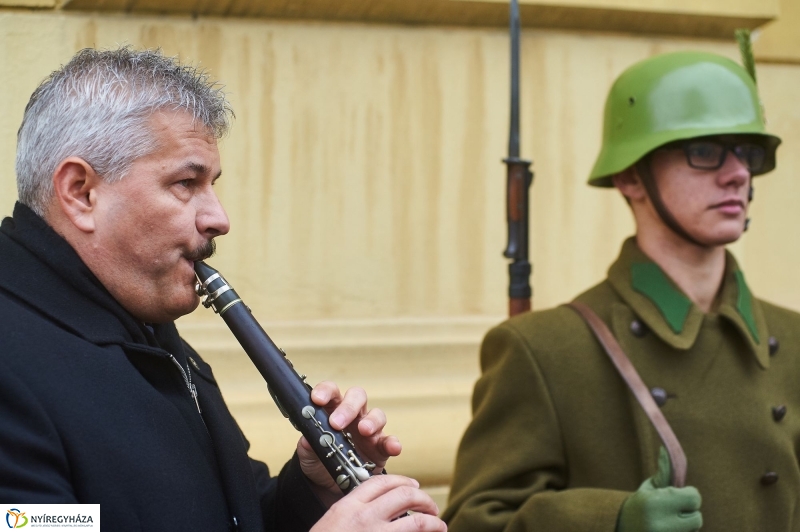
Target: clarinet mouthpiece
[[203, 271]]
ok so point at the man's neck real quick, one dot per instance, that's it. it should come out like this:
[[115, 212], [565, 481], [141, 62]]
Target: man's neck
[[698, 271]]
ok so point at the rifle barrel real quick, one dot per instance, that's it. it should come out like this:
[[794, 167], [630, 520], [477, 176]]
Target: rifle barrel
[[514, 30]]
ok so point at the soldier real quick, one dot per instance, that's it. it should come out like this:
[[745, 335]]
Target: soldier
[[557, 441]]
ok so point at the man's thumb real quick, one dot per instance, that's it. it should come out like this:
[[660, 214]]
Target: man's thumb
[[664, 474]]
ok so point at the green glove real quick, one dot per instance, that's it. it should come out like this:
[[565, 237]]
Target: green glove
[[658, 507]]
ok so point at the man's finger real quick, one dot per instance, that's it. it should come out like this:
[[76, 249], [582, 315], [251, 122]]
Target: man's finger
[[352, 406], [681, 500], [372, 423], [691, 522], [378, 485], [398, 501], [326, 392], [664, 474], [391, 446], [418, 522]]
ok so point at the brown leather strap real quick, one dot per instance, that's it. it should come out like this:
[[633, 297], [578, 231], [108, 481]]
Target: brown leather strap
[[640, 391]]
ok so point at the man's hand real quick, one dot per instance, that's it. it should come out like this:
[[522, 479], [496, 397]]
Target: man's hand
[[658, 507], [376, 505], [348, 413]]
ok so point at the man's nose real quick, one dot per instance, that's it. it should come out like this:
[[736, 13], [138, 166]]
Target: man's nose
[[212, 220], [733, 170]]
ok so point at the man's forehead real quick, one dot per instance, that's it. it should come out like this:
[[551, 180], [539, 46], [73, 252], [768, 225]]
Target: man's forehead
[[174, 120]]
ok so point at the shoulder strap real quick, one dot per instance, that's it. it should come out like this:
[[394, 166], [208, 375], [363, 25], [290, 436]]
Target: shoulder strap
[[639, 389]]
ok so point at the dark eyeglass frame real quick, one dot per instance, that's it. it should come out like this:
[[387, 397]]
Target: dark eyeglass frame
[[751, 154]]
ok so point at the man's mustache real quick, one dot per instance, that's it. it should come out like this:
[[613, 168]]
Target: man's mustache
[[203, 252]]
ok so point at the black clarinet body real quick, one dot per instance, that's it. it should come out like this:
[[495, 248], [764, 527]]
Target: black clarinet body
[[289, 389]]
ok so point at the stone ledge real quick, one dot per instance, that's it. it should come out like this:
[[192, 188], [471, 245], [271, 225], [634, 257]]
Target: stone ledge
[[712, 18], [40, 4]]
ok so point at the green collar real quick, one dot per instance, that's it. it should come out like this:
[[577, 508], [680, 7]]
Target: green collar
[[672, 316]]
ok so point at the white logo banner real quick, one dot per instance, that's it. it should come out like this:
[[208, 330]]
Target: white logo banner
[[45, 517]]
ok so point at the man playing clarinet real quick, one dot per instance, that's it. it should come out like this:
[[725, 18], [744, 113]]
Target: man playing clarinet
[[101, 401]]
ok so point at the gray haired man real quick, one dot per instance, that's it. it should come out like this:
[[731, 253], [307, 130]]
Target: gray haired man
[[101, 401]]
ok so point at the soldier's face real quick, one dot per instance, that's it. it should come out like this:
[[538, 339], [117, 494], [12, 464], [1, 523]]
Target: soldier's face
[[711, 205], [155, 221]]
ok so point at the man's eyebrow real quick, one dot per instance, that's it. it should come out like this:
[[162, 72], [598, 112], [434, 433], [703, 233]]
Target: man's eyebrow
[[201, 169], [198, 168]]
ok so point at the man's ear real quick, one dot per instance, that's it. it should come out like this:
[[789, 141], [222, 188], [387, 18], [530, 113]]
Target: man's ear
[[75, 183], [630, 185]]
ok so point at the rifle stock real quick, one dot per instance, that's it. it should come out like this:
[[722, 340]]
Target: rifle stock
[[518, 180]]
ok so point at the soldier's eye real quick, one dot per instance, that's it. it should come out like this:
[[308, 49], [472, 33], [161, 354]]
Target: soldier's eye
[[704, 154]]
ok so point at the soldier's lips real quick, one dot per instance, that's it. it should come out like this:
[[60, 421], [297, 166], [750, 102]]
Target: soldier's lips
[[732, 207]]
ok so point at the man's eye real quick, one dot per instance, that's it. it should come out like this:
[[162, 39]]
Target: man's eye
[[704, 151], [186, 183]]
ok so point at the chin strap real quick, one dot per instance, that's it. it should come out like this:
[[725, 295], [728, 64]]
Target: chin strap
[[750, 193], [646, 175]]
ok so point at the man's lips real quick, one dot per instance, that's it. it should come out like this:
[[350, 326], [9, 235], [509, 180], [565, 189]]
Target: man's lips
[[190, 264], [731, 206]]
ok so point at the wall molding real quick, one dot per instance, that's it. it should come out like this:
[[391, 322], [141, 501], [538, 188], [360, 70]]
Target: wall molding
[[420, 371]]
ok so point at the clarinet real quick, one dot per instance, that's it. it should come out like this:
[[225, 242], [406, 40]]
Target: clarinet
[[288, 389]]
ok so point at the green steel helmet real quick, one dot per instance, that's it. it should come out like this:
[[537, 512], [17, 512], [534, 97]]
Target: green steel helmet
[[677, 96]]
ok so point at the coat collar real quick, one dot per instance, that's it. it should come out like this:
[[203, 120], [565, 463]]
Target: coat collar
[[39, 269], [672, 316]]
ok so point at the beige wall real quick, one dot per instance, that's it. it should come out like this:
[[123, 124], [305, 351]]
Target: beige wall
[[366, 194]]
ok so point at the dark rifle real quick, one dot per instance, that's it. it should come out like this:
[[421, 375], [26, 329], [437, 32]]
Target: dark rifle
[[518, 180]]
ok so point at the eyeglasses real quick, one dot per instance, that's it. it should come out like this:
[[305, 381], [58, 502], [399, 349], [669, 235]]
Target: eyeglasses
[[710, 154]]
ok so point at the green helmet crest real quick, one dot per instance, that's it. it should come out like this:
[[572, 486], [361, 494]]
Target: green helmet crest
[[677, 96]]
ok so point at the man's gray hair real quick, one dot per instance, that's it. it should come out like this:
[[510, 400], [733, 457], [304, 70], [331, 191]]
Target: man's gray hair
[[97, 107]]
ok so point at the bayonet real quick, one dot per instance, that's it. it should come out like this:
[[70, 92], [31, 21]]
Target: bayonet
[[518, 181]]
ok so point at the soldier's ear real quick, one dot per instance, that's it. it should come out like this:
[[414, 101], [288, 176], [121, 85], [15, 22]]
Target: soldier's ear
[[75, 183], [630, 185]]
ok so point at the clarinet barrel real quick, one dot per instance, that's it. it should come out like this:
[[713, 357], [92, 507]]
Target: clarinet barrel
[[288, 389]]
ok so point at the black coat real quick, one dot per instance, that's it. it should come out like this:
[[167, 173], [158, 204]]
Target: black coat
[[94, 409]]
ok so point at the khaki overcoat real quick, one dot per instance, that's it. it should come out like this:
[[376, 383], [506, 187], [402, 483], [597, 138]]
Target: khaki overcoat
[[557, 441]]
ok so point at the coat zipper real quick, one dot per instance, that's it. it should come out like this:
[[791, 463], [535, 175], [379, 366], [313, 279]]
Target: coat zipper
[[187, 378]]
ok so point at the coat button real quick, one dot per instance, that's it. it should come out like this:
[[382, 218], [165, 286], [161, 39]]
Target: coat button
[[768, 479], [773, 345], [659, 396], [638, 329], [778, 412]]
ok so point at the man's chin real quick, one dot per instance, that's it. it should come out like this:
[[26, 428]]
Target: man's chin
[[177, 310], [723, 238], [191, 306]]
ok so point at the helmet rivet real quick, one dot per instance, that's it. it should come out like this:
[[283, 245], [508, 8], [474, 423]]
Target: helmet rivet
[[632, 101]]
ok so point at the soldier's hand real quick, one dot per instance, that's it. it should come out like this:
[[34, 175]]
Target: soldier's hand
[[658, 507]]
